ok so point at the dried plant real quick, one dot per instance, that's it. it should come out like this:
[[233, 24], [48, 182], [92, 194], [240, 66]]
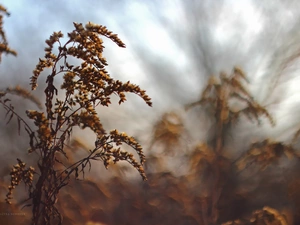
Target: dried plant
[[227, 99], [265, 216], [73, 104], [168, 131], [207, 194], [221, 90], [4, 48], [265, 153], [268, 215]]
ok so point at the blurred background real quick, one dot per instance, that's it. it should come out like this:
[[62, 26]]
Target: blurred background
[[172, 49]]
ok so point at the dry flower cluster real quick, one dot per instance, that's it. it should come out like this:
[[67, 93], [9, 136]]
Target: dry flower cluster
[[265, 216], [4, 48], [216, 98], [221, 90], [266, 153], [211, 192], [20, 173], [168, 131], [213, 174], [84, 87]]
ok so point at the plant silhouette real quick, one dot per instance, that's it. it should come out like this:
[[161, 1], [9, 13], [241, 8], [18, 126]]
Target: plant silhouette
[[213, 174], [73, 104], [216, 188]]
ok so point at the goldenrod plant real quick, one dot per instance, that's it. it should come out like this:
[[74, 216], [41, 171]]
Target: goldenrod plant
[[212, 173], [228, 100], [250, 187], [4, 48], [73, 104]]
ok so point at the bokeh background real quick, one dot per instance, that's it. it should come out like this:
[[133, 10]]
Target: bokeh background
[[172, 48]]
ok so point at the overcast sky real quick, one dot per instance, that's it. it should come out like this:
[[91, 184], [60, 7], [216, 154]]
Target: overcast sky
[[172, 48]]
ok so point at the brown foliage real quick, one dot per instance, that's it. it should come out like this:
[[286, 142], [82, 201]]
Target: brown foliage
[[168, 131], [211, 192], [84, 87], [4, 48]]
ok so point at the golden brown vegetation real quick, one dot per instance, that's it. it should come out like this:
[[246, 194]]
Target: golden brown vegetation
[[214, 190], [84, 87], [214, 179], [216, 97], [4, 48]]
